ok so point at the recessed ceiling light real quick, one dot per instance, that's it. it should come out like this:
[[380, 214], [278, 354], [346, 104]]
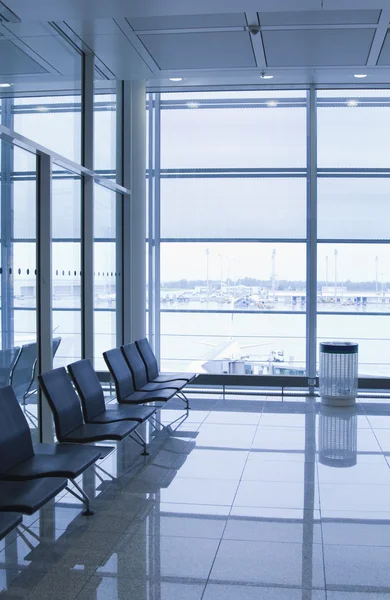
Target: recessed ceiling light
[[3, 85], [360, 75], [176, 79], [193, 104], [42, 109], [272, 103], [264, 76], [352, 102]]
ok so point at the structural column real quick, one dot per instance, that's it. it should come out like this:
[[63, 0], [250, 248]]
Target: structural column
[[311, 254], [131, 168], [87, 232], [44, 287]]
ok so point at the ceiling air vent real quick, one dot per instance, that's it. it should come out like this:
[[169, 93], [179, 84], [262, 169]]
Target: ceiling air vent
[[7, 15]]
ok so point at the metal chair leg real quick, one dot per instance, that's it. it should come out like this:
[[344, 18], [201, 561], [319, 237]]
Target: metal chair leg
[[82, 497]]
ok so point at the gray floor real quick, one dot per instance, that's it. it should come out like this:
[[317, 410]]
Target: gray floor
[[242, 500]]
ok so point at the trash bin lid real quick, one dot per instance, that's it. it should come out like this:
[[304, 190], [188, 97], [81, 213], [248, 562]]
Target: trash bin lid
[[339, 347]]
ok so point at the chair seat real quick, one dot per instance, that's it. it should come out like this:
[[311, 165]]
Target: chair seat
[[28, 496], [97, 432], [53, 461], [143, 398], [118, 412], [8, 522], [157, 395], [170, 377], [155, 386]]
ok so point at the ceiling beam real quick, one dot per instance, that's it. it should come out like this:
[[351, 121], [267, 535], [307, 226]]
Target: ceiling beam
[[256, 40], [379, 38], [134, 40]]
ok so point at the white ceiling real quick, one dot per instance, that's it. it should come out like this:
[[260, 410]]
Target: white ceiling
[[205, 42]]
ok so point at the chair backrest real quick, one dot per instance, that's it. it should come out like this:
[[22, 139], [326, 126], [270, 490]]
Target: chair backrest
[[147, 355], [120, 372], [22, 374], [15, 437], [63, 401], [88, 387], [7, 361], [136, 365]]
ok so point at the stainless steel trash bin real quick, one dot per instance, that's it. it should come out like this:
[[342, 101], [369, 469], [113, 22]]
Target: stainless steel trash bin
[[338, 373]]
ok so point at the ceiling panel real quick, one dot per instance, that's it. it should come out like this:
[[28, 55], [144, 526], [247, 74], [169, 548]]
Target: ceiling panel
[[58, 53], [317, 48], [94, 27], [384, 57], [320, 17], [188, 21], [200, 50], [117, 53], [13, 61]]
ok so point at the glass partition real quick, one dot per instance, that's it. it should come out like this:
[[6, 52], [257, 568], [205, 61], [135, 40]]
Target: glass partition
[[66, 266], [105, 272], [19, 349]]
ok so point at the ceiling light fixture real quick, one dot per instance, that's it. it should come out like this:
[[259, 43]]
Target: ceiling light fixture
[[193, 104], [272, 103], [4, 85], [264, 76], [176, 79], [360, 75], [42, 109], [352, 103]]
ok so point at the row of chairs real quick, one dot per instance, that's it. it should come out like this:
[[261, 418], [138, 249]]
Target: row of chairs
[[30, 476]]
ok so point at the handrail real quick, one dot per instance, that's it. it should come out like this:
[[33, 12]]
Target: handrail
[[21, 141]]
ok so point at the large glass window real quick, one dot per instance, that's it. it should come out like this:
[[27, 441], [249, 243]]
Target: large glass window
[[233, 231], [353, 216]]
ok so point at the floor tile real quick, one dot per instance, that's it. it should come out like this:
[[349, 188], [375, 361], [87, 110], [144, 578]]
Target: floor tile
[[226, 436], [200, 491], [247, 592], [279, 438], [59, 583], [214, 464], [258, 469], [139, 556], [260, 562], [357, 566], [271, 531], [357, 596], [357, 497], [357, 534], [118, 588], [361, 473], [232, 418], [273, 494]]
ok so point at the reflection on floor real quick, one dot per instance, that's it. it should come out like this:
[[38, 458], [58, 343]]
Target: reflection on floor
[[241, 500]]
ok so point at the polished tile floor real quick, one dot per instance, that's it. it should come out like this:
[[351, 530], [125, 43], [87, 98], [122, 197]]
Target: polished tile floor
[[240, 500]]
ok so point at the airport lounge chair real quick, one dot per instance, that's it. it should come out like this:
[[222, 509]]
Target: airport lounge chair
[[66, 408]]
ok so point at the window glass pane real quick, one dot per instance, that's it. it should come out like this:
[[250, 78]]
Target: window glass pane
[[350, 129], [24, 191], [353, 208], [66, 258], [105, 133], [268, 132], [233, 343], [52, 121], [354, 278], [233, 208], [251, 276], [105, 274]]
